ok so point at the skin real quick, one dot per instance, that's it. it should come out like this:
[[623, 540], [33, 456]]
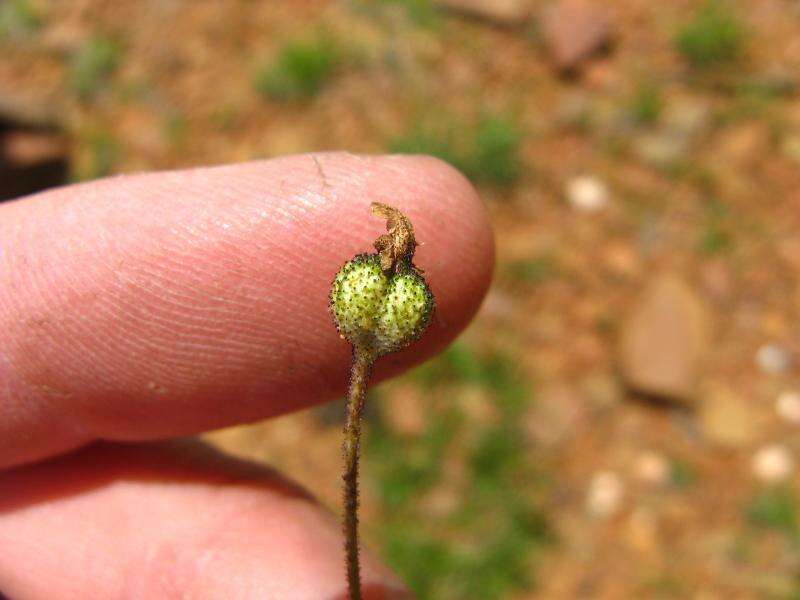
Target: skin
[[142, 308]]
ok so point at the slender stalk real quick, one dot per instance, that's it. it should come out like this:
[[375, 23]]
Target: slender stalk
[[363, 359]]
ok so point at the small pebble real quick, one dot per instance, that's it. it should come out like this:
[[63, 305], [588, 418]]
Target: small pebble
[[587, 193], [605, 494], [772, 359], [652, 468], [788, 407], [773, 464]]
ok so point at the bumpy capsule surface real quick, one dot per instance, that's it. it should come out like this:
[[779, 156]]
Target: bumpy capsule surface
[[356, 297], [375, 310], [404, 313]]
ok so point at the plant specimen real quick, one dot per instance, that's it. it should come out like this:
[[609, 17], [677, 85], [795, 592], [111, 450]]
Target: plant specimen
[[300, 70], [713, 37], [487, 151], [380, 303], [92, 65]]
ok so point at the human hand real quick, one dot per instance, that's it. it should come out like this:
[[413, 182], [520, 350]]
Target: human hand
[[147, 307]]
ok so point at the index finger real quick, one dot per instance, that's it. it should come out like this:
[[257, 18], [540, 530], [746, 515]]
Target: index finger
[[149, 306]]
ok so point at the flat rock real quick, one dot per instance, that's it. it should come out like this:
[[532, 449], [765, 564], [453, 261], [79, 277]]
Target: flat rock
[[500, 12], [574, 30], [664, 340]]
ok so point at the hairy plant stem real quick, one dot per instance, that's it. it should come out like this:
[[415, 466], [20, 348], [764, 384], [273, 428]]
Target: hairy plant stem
[[363, 359]]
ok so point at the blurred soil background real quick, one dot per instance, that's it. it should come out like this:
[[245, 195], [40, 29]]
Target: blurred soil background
[[622, 418]]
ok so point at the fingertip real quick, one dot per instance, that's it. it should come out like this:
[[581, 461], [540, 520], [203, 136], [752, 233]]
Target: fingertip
[[170, 303]]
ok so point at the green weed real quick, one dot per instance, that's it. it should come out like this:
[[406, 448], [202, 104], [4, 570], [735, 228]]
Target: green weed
[[646, 104], [458, 365], [713, 37], [402, 478], [716, 237], [775, 508], [99, 153], [487, 152], [92, 64], [533, 271], [421, 12], [682, 475], [300, 70], [495, 157], [486, 543], [175, 129], [18, 19], [767, 88], [715, 240], [225, 117], [755, 100], [666, 585], [437, 140]]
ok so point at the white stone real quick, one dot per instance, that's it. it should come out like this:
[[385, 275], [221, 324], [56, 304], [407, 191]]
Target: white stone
[[652, 468], [605, 494], [773, 464], [788, 407], [587, 193], [772, 359]]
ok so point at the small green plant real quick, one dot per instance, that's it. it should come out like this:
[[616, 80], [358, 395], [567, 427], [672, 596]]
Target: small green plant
[[300, 70], [92, 64], [495, 158], [175, 129], [534, 270], [486, 153], [716, 237], [483, 545], [98, 154], [682, 475], [646, 104], [434, 138], [665, 585], [422, 12], [380, 303], [17, 19], [713, 37], [715, 240], [775, 508]]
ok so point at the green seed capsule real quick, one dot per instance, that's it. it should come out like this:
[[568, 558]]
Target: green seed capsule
[[405, 312], [371, 309], [356, 296]]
